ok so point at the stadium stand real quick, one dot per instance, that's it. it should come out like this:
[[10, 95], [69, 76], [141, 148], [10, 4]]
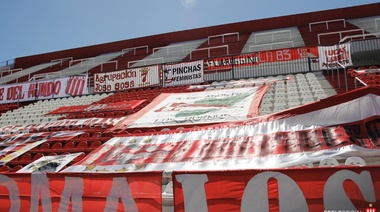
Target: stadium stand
[[301, 90]]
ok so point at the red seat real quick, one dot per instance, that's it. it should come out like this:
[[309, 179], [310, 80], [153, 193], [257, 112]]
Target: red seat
[[95, 144], [37, 156], [82, 145], [69, 145], [45, 146], [5, 168], [26, 157], [57, 145], [16, 168]]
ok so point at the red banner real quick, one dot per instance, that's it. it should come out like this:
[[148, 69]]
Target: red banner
[[44, 89], [69, 109], [116, 106], [80, 192], [314, 189], [280, 55]]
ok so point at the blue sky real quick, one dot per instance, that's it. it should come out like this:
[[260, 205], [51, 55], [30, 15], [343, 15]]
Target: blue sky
[[39, 26]]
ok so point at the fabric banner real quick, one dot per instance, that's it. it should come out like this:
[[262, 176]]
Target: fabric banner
[[61, 123], [17, 145], [220, 149], [172, 109], [251, 59], [331, 56], [69, 109], [126, 79], [183, 73], [115, 106], [44, 89], [326, 189], [80, 192], [49, 163]]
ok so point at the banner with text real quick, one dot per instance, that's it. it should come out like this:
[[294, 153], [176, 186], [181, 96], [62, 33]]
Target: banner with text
[[44, 89], [126, 79], [171, 109], [53, 163], [116, 106], [331, 56], [63, 123], [183, 73], [326, 189], [251, 59], [220, 149], [80, 192], [17, 145]]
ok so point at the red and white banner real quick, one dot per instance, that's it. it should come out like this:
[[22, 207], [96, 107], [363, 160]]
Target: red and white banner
[[330, 56], [183, 73], [21, 143], [116, 106], [336, 189], [251, 59], [126, 79], [44, 89], [220, 149], [69, 109], [61, 123], [80, 192], [171, 109], [52, 163]]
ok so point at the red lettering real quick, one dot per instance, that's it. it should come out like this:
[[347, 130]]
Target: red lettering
[[2, 93]]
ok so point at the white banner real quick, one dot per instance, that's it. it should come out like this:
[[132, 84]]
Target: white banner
[[44, 89], [216, 106], [330, 56], [52, 163], [126, 79], [183, 73], [61, 123]]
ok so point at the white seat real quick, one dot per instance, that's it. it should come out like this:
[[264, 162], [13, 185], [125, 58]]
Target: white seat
[[328, 162], [265, 110], [279, 108], [355, 161], [307, 100]]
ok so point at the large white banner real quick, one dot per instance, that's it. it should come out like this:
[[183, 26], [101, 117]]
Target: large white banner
[[126, 79], [330, 56], [171, 109], [61, 123], [183, 73], [44, 89]]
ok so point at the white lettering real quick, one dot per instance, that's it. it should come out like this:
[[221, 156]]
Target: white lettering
[[120, 189], [194, 191]]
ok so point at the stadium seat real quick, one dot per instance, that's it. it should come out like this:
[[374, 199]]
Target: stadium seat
[[37, 156], [95, 144], [328, 162], [355, 161], [26, 157], [82, 145], [57, 145], [69, 145]]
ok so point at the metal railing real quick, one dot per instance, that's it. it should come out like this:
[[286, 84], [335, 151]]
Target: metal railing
[[327, 23], [134, 49], [208, 50], [168, 48], [363, 36], [82, 61], [161, 59], [222, 36], [271, 45], [272, 34], [340, 33], [61, 60]]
